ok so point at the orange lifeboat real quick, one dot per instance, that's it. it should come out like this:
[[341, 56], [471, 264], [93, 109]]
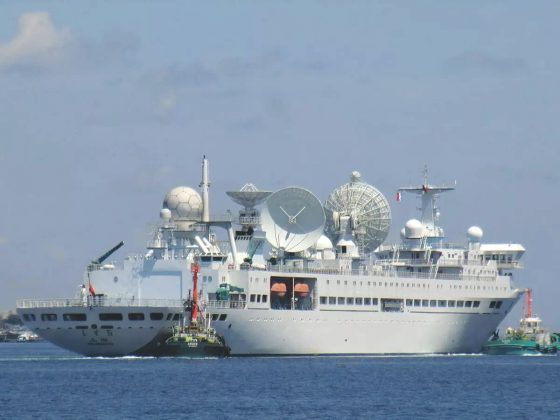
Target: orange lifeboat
[[302, 289], [279, 288]]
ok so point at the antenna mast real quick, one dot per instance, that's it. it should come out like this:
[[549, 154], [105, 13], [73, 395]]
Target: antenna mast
[[428, 195], [204, 186]]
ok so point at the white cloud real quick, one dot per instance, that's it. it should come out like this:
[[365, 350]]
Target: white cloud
[[166, 104], [38, 44]]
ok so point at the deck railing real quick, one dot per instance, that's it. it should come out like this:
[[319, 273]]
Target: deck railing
[[97, 301], [223, 304], [378, 271]]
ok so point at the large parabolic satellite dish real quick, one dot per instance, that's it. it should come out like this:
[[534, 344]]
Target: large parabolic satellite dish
[[293, 219], [366, 206]]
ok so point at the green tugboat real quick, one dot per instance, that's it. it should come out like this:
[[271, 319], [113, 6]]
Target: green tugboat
[[196, 339], [531, 338]]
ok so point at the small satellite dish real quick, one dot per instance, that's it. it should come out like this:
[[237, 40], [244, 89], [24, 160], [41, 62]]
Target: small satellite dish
[[248, 196], [293, 219]]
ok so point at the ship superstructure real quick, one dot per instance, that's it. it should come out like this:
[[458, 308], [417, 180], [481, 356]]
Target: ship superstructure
[[295, 276]]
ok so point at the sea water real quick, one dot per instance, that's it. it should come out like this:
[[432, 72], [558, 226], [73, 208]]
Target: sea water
[[39, 380]]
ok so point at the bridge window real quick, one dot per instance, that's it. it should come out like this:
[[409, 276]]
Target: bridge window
[[358, 301], [499, 304], [332, 300], [460, 304], [468, 304], [74, 317], [48, 317], [323, 300], [392, 305], [110, 317], [156, 316], [341, 301], [493, 304], [29, 317], [476, 304], [136, 316], [367, 301]]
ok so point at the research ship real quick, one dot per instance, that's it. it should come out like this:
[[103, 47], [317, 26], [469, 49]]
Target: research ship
[[290, 275]]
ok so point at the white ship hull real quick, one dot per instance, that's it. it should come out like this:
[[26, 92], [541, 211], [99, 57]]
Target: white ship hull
[[433, 315], [255, 332], [252, 328], [108, 338]]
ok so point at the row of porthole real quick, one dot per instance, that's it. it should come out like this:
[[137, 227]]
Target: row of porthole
[[333, 300], [438, 286], [94, 327], [81, 317], [387, 284], [443, 303]]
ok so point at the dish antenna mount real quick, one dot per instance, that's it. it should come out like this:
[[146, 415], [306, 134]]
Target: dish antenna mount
[[293, 219]]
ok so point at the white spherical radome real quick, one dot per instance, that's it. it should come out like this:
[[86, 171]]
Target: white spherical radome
[[413, 229], [323, 243], [183, 203], [474, 234], [165, 214], [355, 176]]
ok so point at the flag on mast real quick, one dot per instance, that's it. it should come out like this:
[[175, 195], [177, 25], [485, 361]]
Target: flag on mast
[[91, 289], [398, 196]]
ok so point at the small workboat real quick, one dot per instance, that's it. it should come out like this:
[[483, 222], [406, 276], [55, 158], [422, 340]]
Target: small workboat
[[192, 341], [531, 338], [195, 338]]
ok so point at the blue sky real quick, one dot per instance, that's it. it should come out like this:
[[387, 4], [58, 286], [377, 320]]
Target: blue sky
[[104, 106]]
